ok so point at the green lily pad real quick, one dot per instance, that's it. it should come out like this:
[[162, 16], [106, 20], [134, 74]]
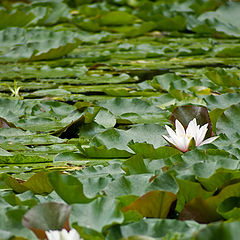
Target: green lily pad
[[107, 209]]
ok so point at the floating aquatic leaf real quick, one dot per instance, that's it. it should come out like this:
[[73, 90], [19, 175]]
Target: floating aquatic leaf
[[219, 20], [39, 44], [38, 183], [108, 213], [154, 204], [117, 18], [47, 216], [98, 81], [162, 227], [219, 230], [15, 18], [69, 188]]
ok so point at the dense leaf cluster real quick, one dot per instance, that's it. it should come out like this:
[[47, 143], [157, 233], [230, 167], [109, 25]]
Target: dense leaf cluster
[[86, 88]]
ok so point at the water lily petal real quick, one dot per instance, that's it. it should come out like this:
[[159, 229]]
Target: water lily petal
[[168, 139], [171, 132], [73, 235], [192, 128], [180, 131], [63, 235], [182, 143], [186, 142], [53, 235], [209, 140], [201, 134], [175, 142], [181, 139]]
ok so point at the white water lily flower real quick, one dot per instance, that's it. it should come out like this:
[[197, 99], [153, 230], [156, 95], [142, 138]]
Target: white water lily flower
[[181, 138], [63, 235]]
